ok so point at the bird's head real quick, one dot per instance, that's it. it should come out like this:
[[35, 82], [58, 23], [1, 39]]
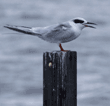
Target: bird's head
[[82, 23]]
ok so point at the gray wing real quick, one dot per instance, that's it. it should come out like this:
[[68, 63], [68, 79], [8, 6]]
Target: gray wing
[[54, 33], [59, 33]]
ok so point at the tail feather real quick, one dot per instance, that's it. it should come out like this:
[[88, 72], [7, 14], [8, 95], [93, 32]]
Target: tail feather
[[22, 29]]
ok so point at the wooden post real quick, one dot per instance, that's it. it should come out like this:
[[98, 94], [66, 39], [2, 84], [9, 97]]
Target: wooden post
[[60, 78]]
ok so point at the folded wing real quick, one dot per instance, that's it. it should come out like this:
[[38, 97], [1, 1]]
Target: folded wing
[[58, 33]]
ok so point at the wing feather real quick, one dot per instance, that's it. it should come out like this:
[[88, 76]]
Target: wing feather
[[59, 33]]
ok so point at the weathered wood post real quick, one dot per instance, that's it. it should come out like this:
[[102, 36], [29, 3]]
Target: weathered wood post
[[60, 78]]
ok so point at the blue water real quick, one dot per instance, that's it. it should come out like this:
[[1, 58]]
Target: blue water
[[21, 56]]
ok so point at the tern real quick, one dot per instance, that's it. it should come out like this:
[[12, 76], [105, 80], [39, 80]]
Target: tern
[[57, 33]]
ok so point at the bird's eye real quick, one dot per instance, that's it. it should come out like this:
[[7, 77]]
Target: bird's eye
[[78, 21]]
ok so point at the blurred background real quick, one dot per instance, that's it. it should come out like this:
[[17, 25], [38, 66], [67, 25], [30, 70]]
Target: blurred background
[[21, 56]]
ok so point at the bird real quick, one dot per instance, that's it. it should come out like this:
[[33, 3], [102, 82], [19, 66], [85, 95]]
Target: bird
[[56, 33]]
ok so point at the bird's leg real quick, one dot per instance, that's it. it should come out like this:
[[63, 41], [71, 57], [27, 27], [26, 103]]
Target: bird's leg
[[61, 48]]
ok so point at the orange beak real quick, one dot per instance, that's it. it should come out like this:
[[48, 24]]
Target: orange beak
[[88, 24]]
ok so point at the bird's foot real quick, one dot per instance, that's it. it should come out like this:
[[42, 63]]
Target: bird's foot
[[65, 50]]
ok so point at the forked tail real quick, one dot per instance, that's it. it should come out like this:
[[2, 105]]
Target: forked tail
[[22, 29]]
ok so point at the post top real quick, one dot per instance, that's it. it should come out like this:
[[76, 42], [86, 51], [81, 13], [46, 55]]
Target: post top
[[61, 52]]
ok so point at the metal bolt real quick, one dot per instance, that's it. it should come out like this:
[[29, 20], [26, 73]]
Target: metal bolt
[[50, 64]]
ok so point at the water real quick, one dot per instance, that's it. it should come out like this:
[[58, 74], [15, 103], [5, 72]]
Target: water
[[21, 56]]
